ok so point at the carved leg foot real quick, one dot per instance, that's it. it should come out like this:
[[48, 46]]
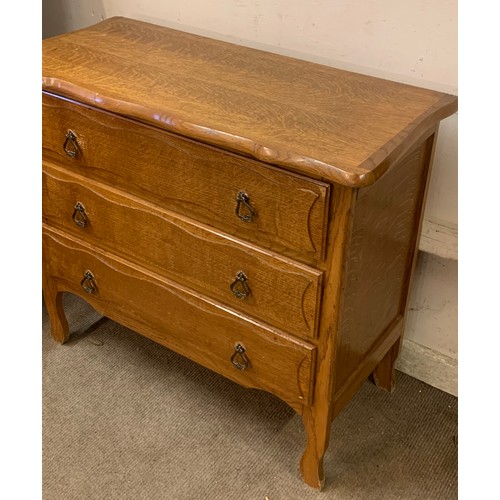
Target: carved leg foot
[[384, 375], [318, 437], [59, 329]]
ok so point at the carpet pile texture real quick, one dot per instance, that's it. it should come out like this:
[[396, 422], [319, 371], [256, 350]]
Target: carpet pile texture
[[125, 418]]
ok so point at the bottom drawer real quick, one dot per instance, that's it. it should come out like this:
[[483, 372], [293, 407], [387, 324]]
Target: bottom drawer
[[176, 317]]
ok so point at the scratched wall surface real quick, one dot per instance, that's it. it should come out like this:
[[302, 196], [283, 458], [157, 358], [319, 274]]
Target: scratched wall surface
[[431, 308], [430, 348], [60, 16]]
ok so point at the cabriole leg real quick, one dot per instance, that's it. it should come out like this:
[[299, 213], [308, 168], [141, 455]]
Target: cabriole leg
[[317, 427], [59, 329], [384, 375]]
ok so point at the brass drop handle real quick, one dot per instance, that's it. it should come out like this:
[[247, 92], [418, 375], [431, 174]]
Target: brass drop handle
[[79, 215], [239, 358], [240, 286], [70, 145], [244, 210], [88, 283]]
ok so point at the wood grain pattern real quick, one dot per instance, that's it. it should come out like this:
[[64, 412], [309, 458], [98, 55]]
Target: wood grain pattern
[[382, 245], [194, 180], [283, 293], [372, 358], [59, 328], [200, 329], [312, 119], [317, 417], [159, 115], [384, 375]]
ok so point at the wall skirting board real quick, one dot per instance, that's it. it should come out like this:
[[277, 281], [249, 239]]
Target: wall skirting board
[[429, 366], [430, 347], [439, 239]]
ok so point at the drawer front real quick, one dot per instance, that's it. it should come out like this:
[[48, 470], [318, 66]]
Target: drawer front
[[287, 211], [279, 291], [182, 320]]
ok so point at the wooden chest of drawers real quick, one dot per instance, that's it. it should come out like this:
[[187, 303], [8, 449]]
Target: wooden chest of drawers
[[255, 213]]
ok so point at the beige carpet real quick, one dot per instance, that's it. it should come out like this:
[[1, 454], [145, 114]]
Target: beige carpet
[[125, 419]]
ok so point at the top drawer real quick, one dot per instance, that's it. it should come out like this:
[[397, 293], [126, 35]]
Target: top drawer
[[278, 210]]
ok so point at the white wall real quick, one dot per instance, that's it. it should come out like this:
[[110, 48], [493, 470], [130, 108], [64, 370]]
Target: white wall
[[60, 16], [411, 41]]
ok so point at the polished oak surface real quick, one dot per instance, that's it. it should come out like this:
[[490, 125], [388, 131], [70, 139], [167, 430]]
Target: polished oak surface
[[381, 253], [176, 317], [282, 292], [192, 179], [321, 121], [299, 286]]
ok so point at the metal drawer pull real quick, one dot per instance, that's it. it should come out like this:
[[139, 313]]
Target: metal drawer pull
[[244, 210], [88, 283], [239, 358], [240, 286], [70, 145], [79, 215]]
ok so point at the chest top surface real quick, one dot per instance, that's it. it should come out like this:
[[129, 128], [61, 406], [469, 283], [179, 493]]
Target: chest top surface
[[305, 117]]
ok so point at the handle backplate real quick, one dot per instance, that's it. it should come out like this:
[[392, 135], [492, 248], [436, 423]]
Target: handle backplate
[[239, 358], [79, 215], [244, 210], [240, 286], [70, 145], [88, 283]]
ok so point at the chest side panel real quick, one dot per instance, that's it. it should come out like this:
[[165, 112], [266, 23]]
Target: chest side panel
[[380, 256]]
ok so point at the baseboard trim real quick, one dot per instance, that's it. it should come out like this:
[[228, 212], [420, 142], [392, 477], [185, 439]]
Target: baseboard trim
[[439, 239], [429, 366]]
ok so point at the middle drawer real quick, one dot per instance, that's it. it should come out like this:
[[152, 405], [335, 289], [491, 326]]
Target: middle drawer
[[262, 284]]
